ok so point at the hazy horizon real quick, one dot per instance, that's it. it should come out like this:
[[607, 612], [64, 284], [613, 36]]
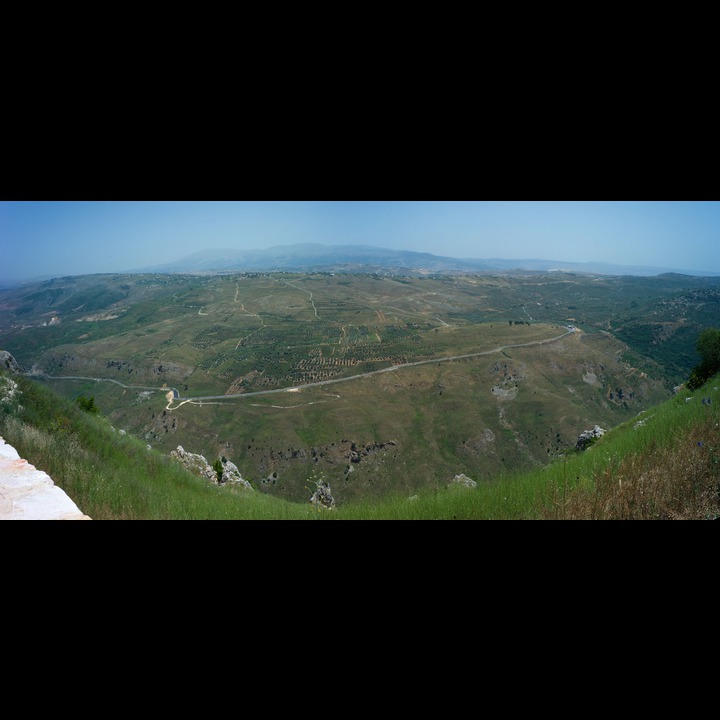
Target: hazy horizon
[[56, 238]]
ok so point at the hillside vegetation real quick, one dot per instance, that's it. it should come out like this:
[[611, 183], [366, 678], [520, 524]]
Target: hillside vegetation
[[664, 464], [517, 397], [382, 386]]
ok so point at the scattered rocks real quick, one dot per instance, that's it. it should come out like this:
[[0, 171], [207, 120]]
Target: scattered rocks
[[505, 393], [271, 479], [588, 437], [357, 453], [479, 443], [165, 367]]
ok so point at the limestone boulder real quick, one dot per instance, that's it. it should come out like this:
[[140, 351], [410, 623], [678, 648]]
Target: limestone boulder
[[463, 479], [588, 437], [198, 465], [8, 362]]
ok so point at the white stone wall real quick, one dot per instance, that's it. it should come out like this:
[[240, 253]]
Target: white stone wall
[[29, 494]]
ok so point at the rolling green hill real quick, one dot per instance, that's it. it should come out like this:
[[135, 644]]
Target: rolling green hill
[[425, 377], [662, 465]]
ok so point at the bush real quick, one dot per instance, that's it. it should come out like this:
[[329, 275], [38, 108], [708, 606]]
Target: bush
[[708, 347], [87, 404], [218, 468]]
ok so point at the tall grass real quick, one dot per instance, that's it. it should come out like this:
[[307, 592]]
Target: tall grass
[[110, 476], [666, 468], [663, 464]]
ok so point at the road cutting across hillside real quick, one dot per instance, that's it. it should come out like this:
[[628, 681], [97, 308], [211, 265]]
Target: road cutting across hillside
[[173, 396], [393, 368]]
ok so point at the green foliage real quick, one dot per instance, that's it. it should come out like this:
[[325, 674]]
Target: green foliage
[[60, 426], [91, 299], [87, 404], [695, 380], [217, 466], [708, 347]]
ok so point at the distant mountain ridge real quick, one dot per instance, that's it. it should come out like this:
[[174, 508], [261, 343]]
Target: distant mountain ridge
[[315, 257]]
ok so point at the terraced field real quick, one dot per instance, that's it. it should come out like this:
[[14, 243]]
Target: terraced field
[[220, 339]]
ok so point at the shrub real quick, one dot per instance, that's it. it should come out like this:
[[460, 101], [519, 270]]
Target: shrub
[[708, 347], [87, 404]]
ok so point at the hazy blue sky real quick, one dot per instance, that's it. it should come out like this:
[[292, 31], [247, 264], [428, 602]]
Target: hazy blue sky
[[67, 238]]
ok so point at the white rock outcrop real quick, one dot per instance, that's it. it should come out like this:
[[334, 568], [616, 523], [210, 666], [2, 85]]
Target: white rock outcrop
[[8, 362], [463, 479], [27, 493], [322, 497], [198, 465], [588, 437]]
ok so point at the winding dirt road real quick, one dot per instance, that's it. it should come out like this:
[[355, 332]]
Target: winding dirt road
[[393, 368]]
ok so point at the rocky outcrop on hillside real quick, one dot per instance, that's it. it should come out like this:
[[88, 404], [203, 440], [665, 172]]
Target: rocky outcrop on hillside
[[322, 497], [463, 479], [588, 437], [357, 453], [198, 465], [8, 362], [231, 474]]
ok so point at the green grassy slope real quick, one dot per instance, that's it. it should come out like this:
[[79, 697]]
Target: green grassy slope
[[388, 435], [663, 464], [411, 430]]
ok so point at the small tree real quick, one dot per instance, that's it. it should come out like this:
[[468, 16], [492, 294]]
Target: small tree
[[87, 404], [218, 468], [708, 347]]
